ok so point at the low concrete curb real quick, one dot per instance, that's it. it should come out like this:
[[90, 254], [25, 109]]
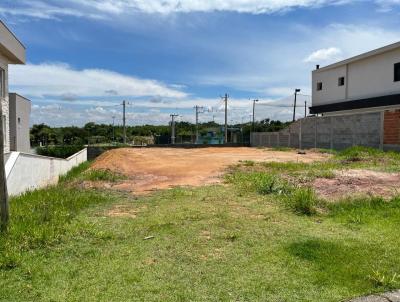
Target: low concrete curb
[[386, 297]]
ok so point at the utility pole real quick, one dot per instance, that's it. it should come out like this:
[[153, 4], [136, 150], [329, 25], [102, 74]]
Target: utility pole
[[198, 108], [124, 119], [226, 117], [173, 128], [3, 182], [113, 129], [254, 111], [295, 101], [305, 109]]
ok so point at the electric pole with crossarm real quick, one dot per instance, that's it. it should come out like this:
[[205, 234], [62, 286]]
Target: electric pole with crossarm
[[173, 128], [198, 109]]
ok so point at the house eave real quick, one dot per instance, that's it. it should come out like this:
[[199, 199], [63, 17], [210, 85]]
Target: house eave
[[10, 46], [374, 102]]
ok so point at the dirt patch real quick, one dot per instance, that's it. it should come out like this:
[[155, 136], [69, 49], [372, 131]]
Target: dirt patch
[[150, 169], [123, 211], [357, 183]]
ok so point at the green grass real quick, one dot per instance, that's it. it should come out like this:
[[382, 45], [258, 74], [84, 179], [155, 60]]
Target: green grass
[[259, 237], [83, 172]]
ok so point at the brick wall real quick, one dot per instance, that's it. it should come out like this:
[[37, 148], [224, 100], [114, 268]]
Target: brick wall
[[392, 127]]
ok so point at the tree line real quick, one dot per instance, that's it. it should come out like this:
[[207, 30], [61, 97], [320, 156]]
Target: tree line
[[91, 133]]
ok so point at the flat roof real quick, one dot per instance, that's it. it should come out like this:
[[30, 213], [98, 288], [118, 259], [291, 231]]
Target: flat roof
[[365, 55], [10, 46], [16, 38], [21, 96]]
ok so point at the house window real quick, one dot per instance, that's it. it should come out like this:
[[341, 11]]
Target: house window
[[397, 72], [341, 81], [19, 120], [2, 83], [319, 86]]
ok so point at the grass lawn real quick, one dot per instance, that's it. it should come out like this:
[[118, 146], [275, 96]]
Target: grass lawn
[[258, 237]]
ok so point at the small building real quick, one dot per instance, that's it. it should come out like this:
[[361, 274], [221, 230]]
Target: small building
[[12, 51], [369, 82], [355, 102], [19, 112]]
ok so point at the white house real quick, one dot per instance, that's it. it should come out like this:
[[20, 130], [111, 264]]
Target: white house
[[368, 82], [19, 116], [12, 51]]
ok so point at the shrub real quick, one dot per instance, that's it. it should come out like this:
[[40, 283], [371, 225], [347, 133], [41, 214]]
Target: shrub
[[359, 153], [304, 201], [63, 151], [102, 175], [259, 182]]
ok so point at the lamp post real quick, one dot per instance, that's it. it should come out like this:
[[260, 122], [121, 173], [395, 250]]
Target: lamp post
[[295, 101], [254, 110]]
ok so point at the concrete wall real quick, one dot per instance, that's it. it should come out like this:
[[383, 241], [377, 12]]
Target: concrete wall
[[368, 77], [28, 171], [331, 132], [20, 110]]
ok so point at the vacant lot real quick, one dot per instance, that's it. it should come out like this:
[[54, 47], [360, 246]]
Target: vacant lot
[[151, 169], [263, 235]]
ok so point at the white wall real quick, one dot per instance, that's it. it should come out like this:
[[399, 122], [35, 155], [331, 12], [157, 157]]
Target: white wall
[[19, 115], [365, 78], [374, 76], [330, 89], [28, 171]]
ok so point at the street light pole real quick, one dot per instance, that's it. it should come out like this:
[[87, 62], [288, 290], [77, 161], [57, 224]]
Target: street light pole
[[295, 101], [254, 110]]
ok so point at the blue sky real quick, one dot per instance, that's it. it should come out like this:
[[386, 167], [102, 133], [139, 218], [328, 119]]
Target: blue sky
[[166, 56]]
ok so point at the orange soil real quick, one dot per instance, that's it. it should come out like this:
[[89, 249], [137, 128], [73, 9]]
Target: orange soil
[[358, 182], [150, 169]]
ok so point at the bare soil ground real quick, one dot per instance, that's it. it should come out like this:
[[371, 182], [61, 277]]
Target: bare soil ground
[[150, 169], [358, 182]]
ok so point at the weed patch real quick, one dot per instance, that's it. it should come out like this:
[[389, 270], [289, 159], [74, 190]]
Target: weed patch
[[259, 182], [40, 218], [303, 201]]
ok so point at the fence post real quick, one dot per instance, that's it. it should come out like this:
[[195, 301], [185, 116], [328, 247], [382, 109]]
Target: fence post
[[315, 133], [300, 135], [382, 130], [331, 131]]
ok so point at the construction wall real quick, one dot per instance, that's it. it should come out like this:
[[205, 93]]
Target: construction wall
[[330, 132]]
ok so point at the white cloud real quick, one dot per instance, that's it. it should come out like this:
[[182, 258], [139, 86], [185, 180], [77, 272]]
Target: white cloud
[[170, 6], [323, 55], [387, 5], [53, 9], [62, 81], [277, 71], [43, 10]]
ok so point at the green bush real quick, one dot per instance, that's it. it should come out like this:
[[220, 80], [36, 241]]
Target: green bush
[[259, 182], [102, 175], [63, 151], [304, 201], [359, 153]]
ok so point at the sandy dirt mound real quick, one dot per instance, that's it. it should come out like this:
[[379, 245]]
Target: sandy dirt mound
[[358, 183], [151, 169]]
